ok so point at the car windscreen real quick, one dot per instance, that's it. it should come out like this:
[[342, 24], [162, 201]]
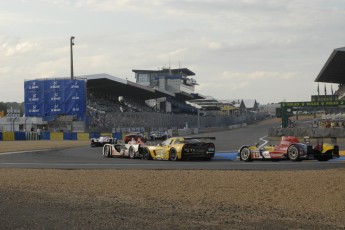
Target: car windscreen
[[189, 141]]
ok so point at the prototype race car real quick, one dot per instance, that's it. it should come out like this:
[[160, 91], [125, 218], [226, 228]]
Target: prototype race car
[[130, 149], [101, 141], [324, 151], [180, 148], [289, 148], [135, 136], [158, 135]]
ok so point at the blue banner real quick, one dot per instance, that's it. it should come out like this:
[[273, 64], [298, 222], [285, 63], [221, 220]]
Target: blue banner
[[34, 109], [33, 97], [54, 97], [55, 108], [51, 97], [54, 85], [33, 85]]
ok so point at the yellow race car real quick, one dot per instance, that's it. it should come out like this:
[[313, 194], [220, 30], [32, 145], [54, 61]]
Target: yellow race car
[[180, 148]]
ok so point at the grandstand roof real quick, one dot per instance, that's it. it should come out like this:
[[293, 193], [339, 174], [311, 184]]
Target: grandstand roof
[[121, 87], [184, 71], [334, 69], [211, 104]]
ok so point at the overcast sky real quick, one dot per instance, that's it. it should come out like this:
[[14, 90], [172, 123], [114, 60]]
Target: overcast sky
[[268, 50]]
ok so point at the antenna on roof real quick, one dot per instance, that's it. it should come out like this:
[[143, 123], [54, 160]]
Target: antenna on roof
[[169, 61]]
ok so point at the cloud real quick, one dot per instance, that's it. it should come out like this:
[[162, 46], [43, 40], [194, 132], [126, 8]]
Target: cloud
[[9, 49], [242, 48]]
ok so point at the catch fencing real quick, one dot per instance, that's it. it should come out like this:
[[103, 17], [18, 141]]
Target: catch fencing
[[147, 121]]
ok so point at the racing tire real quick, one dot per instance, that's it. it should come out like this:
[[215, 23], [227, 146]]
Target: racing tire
[[147, 154], [293, 153], [131, 152], [245, 154], [173, 155], [206, 158], [323, 158], [106, 151]]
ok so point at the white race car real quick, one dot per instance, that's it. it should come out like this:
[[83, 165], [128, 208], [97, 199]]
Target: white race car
[[101, 141], [131, 149]]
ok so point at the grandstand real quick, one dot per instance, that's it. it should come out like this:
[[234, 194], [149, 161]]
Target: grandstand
[[114, 104], [334, 71]]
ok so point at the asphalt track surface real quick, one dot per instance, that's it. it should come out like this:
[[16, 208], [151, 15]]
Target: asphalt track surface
[[227, 142]]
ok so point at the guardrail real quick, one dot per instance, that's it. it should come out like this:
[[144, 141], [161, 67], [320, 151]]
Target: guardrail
[[59, 136], [78, 136]]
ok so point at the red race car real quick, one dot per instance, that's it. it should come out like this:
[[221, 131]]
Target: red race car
[[289, 148]]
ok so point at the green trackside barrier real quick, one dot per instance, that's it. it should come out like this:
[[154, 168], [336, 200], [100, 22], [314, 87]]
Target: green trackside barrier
[[55, 136], [106, 135], [31, 136], [83, 136], [8, 136], [123, 136]]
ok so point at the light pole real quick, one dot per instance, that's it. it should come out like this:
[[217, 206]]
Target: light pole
[[72, 44]]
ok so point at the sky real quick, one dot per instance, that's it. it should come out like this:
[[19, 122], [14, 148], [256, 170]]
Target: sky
[[268, 50]]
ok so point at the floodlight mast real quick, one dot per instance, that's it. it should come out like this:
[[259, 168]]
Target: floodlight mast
[[72, 44]]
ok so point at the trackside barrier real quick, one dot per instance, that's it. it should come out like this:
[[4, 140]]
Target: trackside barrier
[[8, 136], [94, 135], [54, 136], [183, 132], [57, 136], [123, 136], [31, 136], [106, 134], [45, 136], [70, 136], [118, 136], [83, 136], [19, 136]]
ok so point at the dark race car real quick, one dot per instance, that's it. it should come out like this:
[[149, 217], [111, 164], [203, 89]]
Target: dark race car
[[158, 135]]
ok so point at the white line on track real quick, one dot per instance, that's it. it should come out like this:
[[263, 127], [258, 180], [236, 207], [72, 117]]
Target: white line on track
[[176, 163], [26, 151]]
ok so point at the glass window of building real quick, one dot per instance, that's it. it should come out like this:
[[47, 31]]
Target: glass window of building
[[144, 79]]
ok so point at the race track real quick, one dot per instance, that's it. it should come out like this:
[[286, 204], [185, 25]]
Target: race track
[[226, 144]]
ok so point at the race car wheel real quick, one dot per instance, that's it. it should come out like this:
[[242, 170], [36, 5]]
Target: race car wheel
[[293, 153], [131, 152], [106, 151], [147, 154], [323, 158], [172, 155], [245, 154]]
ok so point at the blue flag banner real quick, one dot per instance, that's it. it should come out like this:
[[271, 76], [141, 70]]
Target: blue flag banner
[[55, 97], [35, 97], [34, 109], [34, 85]]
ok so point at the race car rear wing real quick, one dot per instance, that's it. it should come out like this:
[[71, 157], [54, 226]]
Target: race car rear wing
[[320, 139]]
